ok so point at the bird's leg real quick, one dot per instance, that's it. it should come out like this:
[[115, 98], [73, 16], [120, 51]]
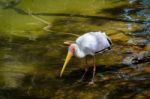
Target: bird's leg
[[94, 70], [85, 69]]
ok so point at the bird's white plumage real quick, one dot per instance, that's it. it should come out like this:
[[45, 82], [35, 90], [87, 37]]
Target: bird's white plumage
[[87, 44], [90, 43]]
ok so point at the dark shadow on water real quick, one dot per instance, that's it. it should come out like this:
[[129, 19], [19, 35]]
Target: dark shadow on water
[[33, 87], [97, 22], [20, 11], [68, 25], [122, 88], [114, 11], [119, 10], [87, 16], [75, 75], [130, 90], [41, 86]]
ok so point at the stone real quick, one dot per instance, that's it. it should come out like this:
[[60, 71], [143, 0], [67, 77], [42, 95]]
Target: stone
[[142, 57]]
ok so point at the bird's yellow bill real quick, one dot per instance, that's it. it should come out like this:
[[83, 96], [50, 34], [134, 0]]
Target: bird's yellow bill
[[69, 55]]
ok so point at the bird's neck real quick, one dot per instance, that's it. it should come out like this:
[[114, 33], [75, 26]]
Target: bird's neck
[[78, 52]]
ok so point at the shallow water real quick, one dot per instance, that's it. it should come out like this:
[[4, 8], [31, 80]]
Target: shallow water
[[32, 50]]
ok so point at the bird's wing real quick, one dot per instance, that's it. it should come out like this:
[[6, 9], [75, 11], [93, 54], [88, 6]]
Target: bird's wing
[[92, 42], [109, 40], [84, 43], [102, 39]]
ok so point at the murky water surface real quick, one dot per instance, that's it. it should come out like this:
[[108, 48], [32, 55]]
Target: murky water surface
[[32, 50]]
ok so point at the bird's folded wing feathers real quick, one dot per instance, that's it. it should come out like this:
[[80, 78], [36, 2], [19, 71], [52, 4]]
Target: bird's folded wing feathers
[[109, 40]]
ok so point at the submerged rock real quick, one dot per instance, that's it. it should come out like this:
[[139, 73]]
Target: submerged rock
[[142, 57], [144, 12], [139, 41], [118, 37], [145, 2], [10, 3], [145, 31], [147, 48]]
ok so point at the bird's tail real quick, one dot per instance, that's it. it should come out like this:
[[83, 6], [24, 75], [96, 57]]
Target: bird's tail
[[108, 38]]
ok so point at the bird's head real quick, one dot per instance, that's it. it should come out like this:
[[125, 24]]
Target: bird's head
[[71, 52]]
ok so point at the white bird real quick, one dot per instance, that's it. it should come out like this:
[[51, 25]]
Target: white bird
[[88, 44]]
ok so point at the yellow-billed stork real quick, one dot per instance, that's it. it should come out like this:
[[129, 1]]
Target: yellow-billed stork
[[88, 44]]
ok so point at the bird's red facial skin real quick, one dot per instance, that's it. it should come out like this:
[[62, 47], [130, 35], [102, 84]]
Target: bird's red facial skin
[[72, 49]]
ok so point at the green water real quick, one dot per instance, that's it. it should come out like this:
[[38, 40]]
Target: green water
[[32, 49]]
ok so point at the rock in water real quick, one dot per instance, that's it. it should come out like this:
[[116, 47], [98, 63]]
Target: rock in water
[[142, 57]]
